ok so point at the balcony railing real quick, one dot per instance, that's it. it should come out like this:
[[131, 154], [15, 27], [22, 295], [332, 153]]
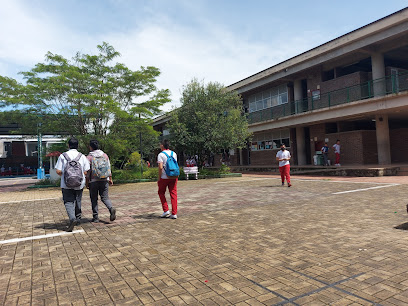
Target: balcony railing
[[375, 88]]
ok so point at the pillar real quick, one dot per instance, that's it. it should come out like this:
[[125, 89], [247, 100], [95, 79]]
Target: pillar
[[297, 95], [240, 157], [383, 139], [378, 70], [300, 146]]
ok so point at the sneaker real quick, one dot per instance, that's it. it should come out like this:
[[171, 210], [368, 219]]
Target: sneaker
[[289, 185], [95, 220], [72, 225], [283, 183], [113, 214], [166, 214], [173, 216]]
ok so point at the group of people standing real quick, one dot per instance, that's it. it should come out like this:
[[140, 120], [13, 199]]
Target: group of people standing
[[78, 171], [325, 152]]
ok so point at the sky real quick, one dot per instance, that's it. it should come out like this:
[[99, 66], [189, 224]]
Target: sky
[[221, 41]]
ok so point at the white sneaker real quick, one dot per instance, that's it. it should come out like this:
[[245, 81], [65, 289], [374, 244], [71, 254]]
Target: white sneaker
[[166, 214], [173, 216]]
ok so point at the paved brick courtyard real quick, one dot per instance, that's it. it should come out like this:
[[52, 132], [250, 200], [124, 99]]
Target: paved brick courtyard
[[244, 241]]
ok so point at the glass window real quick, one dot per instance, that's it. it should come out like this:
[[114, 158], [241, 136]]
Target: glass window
[[276, 143], [283, 98], [252, 98], [283, 88], [286, 142], [274, 91], [252, 107], [258, 96], [274, 100], [259, 105]]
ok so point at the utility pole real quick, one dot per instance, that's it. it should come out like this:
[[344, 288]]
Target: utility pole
[[40, 170], [141, 152]]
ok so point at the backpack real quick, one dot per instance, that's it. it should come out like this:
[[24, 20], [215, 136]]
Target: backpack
[[101, 168], [73, 173], [172, 168]]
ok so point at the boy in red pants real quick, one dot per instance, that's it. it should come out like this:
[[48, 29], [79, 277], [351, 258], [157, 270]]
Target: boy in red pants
[[283, 157], [165, 182]]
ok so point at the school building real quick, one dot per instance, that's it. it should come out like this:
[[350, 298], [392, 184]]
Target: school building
[[353, 88]]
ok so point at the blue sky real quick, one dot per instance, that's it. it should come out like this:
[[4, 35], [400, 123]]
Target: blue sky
[[211, 40]]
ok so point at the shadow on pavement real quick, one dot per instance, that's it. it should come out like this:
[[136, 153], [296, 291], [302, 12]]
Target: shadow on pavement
[[403, 226]]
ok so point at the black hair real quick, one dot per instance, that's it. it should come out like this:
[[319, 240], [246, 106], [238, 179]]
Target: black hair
[[94, 144], [73, 143], [337, 140], [165, 143]]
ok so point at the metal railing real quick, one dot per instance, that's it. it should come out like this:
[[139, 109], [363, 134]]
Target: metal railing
[[393, 84]]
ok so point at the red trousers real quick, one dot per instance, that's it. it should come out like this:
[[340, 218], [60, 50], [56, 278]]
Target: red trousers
[[337, 158], [285, 172], [172, 184]]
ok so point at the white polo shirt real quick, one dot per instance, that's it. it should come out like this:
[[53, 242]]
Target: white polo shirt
[[283, 154]]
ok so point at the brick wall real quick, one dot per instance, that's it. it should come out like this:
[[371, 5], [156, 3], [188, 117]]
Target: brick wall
[[399, 145], [357, 147]]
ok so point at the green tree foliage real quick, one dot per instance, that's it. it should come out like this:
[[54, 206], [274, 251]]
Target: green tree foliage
[[87, 97], [209, 120]]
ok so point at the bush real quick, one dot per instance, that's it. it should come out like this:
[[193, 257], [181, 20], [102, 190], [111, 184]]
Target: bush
[[224, 169], [125, 175], [151, 174], [48, 182]]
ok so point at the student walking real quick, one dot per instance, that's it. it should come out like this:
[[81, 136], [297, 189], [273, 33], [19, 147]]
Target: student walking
[[98, 180], [167, 160], [283, 156], [336, 148], [72, 166], [325, 152]]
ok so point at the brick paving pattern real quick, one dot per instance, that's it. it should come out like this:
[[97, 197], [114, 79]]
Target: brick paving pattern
[[241, 241]]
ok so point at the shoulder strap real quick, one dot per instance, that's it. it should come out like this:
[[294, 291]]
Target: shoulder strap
[[171, 153], [78, 157], [66, 156], [167, 154]]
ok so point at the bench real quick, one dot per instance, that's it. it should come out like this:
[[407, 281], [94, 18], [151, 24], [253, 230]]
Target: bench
[[191, 170]]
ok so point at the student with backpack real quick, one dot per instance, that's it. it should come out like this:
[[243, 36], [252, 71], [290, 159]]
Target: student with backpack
[[168, 177], [72, 166], [98, 180]]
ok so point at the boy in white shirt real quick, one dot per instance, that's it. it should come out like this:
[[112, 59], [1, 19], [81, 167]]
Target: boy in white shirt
[[283, 156], [336, 148]]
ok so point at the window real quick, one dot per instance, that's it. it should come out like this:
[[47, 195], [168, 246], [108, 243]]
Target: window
[[268, 98], [271, 140]]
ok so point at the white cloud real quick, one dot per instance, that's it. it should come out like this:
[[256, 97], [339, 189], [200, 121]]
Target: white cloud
[[208, 52]]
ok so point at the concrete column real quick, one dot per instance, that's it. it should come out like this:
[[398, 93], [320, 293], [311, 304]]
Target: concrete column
[[383, 139], [297, 95], [378, 69], [300, 145]]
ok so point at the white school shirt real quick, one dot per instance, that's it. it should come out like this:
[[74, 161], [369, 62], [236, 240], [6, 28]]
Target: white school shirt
[[283, 154], [162, 158], [83, 161], [336, 148]]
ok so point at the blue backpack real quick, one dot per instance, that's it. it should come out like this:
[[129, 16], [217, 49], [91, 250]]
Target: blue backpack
[[172, 168]]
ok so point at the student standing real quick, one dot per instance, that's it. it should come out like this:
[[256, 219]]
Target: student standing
[[166, 182], [325, 152], [336, 148], [98, 180], [283, 156], [72, 166]]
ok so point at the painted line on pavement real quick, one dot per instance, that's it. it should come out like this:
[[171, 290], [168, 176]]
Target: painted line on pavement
[[17, 201], [364, 189], [40, 237]]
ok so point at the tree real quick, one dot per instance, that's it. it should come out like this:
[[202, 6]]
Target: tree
[[85, 95], [210, 119]]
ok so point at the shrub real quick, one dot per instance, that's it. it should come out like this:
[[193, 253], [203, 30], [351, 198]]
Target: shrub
[[224, 169], [48, 182], [151, 174]]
